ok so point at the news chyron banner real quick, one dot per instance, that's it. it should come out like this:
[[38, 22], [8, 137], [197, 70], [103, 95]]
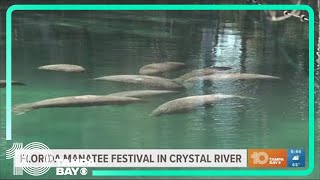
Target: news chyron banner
[[37, 159]]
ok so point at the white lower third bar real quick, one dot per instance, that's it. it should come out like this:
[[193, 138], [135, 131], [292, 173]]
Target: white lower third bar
[[133, 158]]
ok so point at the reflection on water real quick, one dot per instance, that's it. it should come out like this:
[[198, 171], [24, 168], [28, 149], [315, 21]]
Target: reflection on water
[[121, 42]]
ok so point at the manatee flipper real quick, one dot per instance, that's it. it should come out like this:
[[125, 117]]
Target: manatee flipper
[[21, 109]]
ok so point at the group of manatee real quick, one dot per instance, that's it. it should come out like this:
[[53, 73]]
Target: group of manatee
[[149, 76]]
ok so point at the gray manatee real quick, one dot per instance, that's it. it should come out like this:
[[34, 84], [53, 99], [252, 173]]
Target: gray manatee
[[201, 72], [150, 81], [3, 83], [190, 103], [233, 76], [76, 101], [157, 68], [142, 93], [63, 68]]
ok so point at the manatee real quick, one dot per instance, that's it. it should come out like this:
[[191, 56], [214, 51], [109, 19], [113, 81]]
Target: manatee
[[3, 83], [142, 93], [233, 76], [150, 81], [63, 68], [201, 72], [157, 68], [189, 103], [76, 101]]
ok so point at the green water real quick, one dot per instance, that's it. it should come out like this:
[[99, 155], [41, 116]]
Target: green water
[[111, 43]]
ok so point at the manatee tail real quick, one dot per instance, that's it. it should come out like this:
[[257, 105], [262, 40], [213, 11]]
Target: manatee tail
[[21, 109], [154, 114], [246, 97], [178, 80], [269, 77], [183, 82]]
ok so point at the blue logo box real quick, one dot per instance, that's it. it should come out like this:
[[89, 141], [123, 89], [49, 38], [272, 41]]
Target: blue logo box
[[296, 158]]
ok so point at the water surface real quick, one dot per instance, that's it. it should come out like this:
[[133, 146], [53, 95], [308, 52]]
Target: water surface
[[111, 43]]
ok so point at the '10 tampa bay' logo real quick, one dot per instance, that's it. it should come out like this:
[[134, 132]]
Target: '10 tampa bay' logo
[[34, 146], [276, 158]]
